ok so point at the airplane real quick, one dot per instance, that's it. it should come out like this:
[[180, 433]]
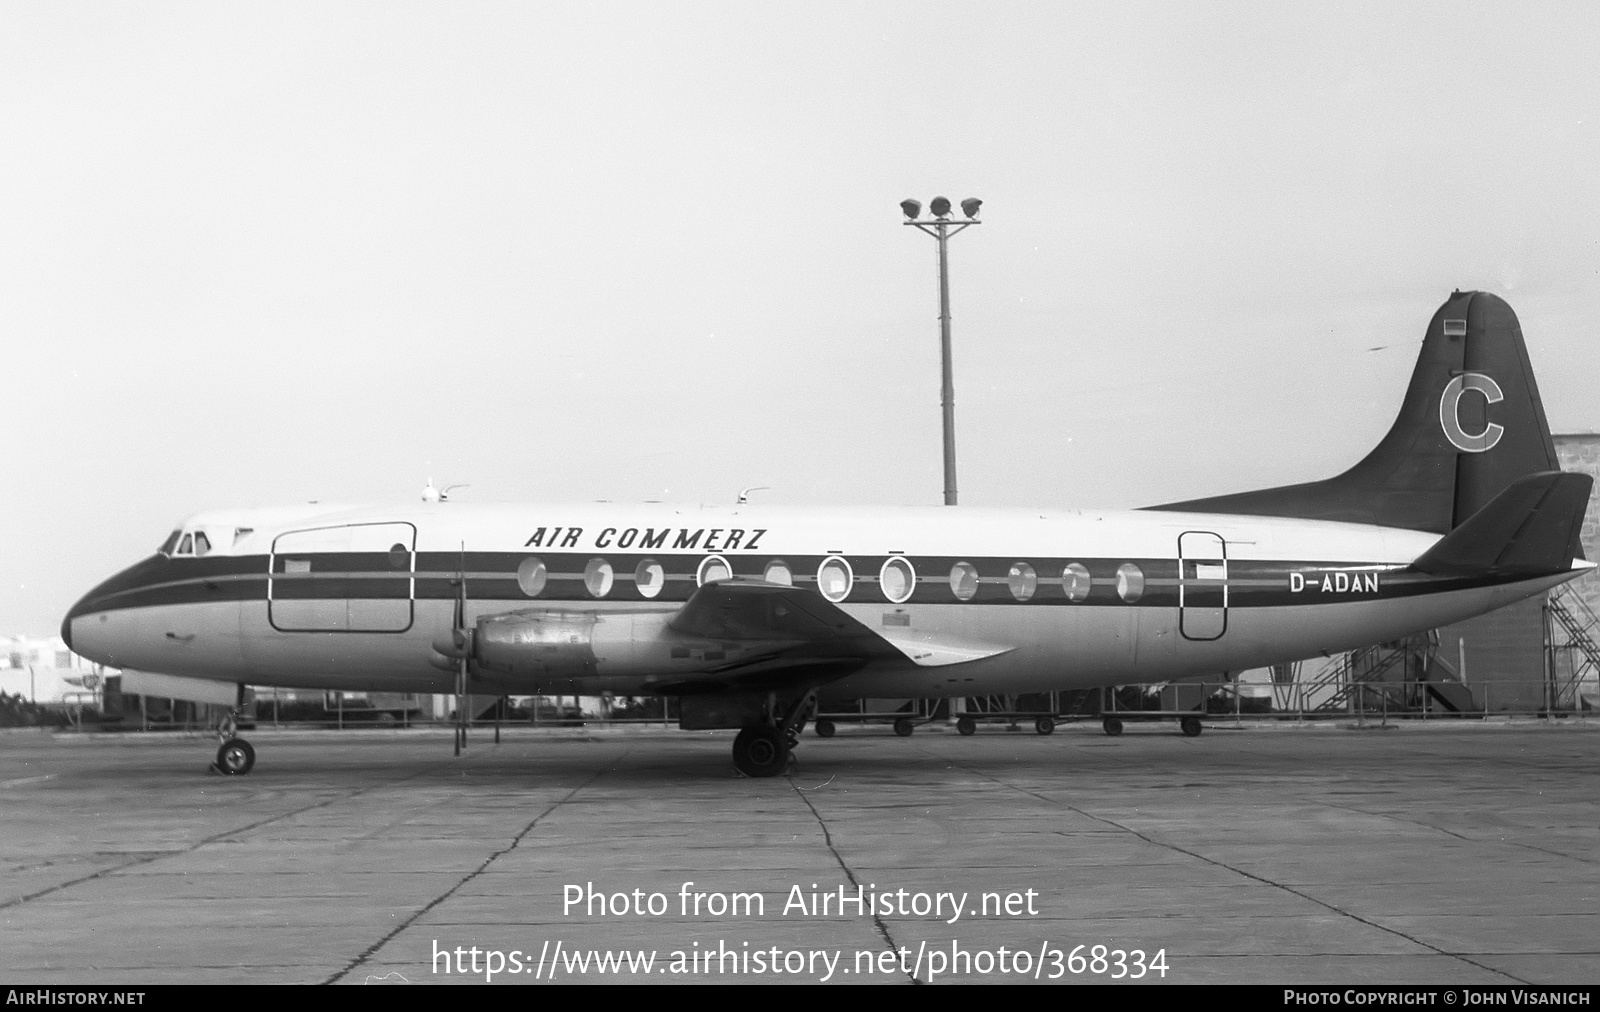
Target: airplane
[[746, 613]]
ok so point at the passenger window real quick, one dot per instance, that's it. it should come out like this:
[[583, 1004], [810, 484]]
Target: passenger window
[[650, 578], [898, 580], [1075, 581], [777, 571], [202, 544], [597, 577], [531, 576], [712, 569], [1022, 580], [834, 579], [964, 581], [1130, 582]]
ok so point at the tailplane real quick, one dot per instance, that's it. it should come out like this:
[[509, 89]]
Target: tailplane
[[1530, 529], [1471, 425]]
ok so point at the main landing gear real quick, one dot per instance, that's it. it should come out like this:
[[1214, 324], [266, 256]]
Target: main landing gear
[[761, 750], [766, 749], [235, 756]]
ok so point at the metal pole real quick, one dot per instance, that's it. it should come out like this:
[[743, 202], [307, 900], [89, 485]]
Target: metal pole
[[947, 390]]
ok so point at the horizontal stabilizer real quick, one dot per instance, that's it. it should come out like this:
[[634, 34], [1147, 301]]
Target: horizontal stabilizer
[[1529, 529]]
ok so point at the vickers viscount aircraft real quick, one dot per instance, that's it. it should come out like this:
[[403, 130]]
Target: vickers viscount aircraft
[[745, 613]]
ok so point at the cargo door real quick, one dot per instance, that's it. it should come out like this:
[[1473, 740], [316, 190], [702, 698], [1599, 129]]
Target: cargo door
[[348, 578], [1202, 585]]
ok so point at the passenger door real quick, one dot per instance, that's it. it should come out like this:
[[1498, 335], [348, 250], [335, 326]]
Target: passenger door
[[1202, 585], [348, 578]]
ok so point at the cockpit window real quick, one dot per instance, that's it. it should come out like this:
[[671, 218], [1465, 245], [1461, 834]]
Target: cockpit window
[[202, 544], [168, 545], [186, 546]]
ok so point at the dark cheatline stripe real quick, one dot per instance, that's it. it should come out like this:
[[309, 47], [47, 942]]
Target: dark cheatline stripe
[[492, 576]]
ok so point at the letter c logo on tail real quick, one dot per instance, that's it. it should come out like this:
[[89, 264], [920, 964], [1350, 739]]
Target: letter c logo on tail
[[1450, 407]]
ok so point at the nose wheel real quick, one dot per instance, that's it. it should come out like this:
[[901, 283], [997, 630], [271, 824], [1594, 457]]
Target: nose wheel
[[235, 758]]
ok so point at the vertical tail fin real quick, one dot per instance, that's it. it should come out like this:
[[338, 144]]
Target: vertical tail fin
[[1470, 425]]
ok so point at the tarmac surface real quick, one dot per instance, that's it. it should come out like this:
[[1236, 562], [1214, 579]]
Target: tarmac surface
[[1449, 852]]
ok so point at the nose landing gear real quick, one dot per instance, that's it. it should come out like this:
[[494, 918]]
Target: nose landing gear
[[235, 756]]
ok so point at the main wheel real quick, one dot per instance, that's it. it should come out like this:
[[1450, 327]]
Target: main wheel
[[825, 729], [1044, 725], [1112, 726], [236, 757], [903, 727], [760, 751], [966, 725], [1190, 727]]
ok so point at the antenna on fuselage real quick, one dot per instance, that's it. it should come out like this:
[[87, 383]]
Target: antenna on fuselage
[[744, 495], [432, 494]]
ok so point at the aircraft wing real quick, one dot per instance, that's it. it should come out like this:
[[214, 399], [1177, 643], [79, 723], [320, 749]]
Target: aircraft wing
[[813, 640]]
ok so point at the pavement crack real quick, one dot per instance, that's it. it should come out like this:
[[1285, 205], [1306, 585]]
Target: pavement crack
[[1451, 832], [1335, 908], [849, 873], [372, 949], [147, 857]]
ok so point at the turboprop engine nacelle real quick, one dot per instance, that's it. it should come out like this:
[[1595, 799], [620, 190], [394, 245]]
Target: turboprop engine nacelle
[[544, 645]]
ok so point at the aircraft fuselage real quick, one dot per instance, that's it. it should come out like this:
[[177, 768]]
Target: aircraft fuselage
[[974, 601]]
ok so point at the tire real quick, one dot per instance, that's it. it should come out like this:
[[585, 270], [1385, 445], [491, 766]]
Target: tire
[[825, 729], [966, 725], [1190, 727], [236, 757], [903, 727], [1044, 725], [760, 751], [1112, 726]]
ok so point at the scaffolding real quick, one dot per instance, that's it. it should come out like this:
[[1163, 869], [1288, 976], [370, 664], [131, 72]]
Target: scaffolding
[[1572, 656]]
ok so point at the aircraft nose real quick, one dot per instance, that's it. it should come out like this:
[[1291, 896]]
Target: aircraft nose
[[97, 600]]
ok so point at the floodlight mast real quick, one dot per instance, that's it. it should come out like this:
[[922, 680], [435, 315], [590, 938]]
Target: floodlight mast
[[942, 227]]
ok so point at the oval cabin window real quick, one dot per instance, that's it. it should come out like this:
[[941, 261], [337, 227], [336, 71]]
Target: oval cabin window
[[1075, 581], [778, 571], [898, 580], [649, 578], [597, 577], [1130, 582], [834, 579], [964, 581], [1022, 580], [531, 576], [712, 569]]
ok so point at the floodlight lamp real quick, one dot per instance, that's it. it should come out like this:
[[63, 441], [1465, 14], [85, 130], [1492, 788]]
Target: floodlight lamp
[[940, 206], [969, 207], [912, 208]]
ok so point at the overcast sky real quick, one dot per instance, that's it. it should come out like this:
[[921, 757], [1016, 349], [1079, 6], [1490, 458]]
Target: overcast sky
[[266, 253]]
